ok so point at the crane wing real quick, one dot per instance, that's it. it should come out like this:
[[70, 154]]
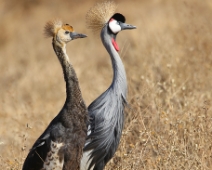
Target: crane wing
[[41, 147], [107, 114]]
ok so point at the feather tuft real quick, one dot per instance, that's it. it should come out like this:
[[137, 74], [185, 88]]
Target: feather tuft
[[99, 15], [52, 27]]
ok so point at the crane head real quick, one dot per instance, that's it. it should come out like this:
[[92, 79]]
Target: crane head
[[117, 23], [61, 33], [102, 14]]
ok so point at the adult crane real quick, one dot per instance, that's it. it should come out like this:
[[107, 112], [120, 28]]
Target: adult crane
[[61, 145], [107, 111]]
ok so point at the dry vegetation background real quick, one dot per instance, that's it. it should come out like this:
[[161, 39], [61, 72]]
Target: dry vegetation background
[[168, 60]]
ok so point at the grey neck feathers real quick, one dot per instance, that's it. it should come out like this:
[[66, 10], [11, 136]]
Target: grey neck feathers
[[119, 83], [73, 93]]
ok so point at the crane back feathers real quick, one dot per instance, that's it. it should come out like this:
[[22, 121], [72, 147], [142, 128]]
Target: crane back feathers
[[99, 15], [51, 28]]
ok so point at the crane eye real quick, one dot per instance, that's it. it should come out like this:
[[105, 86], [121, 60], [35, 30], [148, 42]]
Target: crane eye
[[66, 32]]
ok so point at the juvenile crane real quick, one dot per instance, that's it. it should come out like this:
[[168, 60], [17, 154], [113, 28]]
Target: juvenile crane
[[60, 147], [107, 111]]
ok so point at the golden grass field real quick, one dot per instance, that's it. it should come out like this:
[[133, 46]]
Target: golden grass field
[[168, 60]]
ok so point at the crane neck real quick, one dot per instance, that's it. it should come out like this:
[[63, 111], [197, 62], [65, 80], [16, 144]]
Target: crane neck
[[119, 74], [73, 93]]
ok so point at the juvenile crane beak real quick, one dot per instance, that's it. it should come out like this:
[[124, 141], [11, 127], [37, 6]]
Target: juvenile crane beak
[[75, 35], [125, 26]]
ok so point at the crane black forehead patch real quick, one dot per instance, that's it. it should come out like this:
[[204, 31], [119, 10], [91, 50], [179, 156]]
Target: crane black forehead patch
[[119, 17]]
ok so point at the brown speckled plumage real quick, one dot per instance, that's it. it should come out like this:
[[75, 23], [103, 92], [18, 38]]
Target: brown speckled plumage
[[63, 140]]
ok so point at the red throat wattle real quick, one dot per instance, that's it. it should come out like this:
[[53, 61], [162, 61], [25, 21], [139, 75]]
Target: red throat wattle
[[115, 45]]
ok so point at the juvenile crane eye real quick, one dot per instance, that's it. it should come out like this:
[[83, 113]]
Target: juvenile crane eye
[[66, 32]]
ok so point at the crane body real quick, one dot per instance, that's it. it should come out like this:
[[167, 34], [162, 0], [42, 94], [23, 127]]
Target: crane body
[[107, 111], [60, 146]]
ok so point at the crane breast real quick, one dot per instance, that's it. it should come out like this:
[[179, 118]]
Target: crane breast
[[54, 159]]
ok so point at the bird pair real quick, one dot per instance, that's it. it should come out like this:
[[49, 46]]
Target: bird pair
[[81, 138]]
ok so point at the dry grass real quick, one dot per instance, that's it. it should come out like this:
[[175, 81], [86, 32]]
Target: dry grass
[[168, 60]]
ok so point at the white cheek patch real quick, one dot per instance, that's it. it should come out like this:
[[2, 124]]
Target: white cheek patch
[[61, 36], [114, 26], [53, 160], [66, 38]]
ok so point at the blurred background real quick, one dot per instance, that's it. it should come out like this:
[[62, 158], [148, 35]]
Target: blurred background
[[168, 60]]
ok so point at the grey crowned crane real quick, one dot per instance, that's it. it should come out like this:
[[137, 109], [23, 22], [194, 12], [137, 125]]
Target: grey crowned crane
[[60, 147], [107, 111]]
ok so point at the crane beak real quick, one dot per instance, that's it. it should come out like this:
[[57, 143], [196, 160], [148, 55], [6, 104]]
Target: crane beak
[[75, 35], [125, 26]]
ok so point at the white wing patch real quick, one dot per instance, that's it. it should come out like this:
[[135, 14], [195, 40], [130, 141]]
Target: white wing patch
[[85, 162], [53, 161]]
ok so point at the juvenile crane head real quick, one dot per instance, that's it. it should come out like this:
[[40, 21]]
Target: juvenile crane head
[[102, 15], [61, 33]]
